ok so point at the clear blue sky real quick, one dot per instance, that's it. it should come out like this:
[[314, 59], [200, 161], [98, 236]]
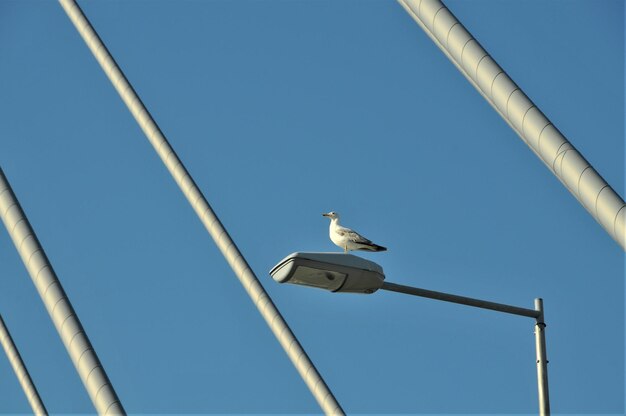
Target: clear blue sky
[[282, 110]]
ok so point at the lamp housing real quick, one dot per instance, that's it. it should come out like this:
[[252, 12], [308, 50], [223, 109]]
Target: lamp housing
[[336, 272]]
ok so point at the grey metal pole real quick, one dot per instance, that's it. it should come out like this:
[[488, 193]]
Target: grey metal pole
[[447, 297], [20, 371], [224, 242], [522, 115], [537, 313], [57, 303], [542, 360]]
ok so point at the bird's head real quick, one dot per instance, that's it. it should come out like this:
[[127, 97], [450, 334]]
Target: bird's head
[[332, 215]]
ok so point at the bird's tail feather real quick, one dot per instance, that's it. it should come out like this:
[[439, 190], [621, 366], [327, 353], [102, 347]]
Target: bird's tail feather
[[376, 247]]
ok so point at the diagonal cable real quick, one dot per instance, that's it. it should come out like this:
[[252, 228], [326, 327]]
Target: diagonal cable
[[61, 311], [235, 259], [32, 395], [522, 115]]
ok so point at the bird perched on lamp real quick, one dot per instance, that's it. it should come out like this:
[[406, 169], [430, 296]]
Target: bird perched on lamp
[[349, 239]]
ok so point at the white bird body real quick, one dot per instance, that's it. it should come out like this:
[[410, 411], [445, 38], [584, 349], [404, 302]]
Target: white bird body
[[348, 239]]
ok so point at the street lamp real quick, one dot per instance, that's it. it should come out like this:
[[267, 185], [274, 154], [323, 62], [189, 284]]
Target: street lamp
[[338, 272]]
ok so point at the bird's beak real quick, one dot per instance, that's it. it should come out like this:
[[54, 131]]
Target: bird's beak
[[325, 215]]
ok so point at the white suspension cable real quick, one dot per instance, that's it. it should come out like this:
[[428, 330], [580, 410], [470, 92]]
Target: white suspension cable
[[235, 259], [20, 371], [543, 138], [57, 303]]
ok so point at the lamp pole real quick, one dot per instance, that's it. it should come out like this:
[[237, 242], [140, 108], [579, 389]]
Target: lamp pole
[[338, 272], [537, 314], [542, 360]]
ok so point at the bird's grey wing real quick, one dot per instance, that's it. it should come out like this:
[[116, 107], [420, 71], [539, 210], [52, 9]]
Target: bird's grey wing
[[353, 236]]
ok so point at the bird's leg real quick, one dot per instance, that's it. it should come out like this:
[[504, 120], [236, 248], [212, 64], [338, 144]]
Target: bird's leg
[[345, 249]]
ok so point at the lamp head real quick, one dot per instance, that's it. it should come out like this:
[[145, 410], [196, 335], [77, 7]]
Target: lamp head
[[336, 272]]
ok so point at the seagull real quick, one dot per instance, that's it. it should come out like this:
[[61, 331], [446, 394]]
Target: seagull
[[349, 239]]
